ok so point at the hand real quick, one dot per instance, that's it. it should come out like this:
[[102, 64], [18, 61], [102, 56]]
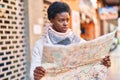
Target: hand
[[106, 61], [39, 72]]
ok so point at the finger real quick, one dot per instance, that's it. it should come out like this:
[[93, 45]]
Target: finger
[[40, 68], [38, 76], [108, 66], [108, 63], [39, 71], [106, 59]]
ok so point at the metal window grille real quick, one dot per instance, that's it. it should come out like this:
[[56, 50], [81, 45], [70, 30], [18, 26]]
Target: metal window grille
[[12, 40]]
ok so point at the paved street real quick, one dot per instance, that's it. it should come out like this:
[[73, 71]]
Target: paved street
[[115, 67]]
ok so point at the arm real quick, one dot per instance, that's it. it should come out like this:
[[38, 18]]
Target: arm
[[36, 58]]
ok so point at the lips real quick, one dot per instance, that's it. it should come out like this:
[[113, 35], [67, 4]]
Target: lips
[[65, 28]]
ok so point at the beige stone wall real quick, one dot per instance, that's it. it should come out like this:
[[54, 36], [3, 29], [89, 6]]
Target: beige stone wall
[[35, 19]]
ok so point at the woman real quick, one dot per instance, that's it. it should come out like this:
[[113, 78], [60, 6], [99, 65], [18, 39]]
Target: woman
[[57, 33]]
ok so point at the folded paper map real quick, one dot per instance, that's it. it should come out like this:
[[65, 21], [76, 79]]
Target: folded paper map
[[77, 61]]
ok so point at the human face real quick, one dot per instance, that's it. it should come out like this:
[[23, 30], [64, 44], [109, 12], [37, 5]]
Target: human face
[[61, 22]]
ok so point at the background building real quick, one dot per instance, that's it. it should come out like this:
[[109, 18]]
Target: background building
[[12, 40]]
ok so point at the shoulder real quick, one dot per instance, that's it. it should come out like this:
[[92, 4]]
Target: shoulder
[[39, 43], [76, 38]]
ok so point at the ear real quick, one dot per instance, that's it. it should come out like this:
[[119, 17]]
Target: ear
[[51, 20]]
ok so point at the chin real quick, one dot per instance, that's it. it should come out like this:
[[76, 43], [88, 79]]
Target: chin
[[64, 31]]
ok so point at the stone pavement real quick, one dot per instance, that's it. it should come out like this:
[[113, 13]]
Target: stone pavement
[[115, 66]]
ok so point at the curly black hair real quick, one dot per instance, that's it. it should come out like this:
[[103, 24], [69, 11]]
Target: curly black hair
[[57, 7]]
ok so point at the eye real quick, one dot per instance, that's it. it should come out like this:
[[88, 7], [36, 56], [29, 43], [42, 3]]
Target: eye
[[61, 20], [67, 20]]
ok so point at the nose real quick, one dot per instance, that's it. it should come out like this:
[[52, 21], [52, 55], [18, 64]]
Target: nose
[[65, 23]]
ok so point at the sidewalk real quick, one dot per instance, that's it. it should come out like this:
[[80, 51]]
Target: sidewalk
[[115, 66]]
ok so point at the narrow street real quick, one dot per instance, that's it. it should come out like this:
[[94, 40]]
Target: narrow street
[[115, 66]]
